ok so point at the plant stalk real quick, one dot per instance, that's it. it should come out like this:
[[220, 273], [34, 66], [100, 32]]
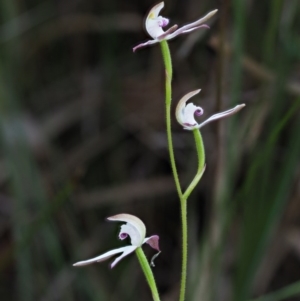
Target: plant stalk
[[147, 272]]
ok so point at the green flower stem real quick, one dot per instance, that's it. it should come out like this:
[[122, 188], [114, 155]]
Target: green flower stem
[[183, 202], [168, 65], [201, 160], [168, 69], [201, 163], [147, 272], [183, 207]]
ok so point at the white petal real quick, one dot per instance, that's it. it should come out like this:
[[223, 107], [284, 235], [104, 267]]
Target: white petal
[[102, 257], [132, 220], [188, 115], [152, 21], [134, 234], [221, 115], [180, 109], [129, 249]]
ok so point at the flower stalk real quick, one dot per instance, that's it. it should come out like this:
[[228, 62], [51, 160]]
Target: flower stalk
[[183, 204], [147, 272], [201, 163], [168, 99]]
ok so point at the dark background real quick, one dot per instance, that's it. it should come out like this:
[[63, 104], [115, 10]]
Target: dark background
[[83, 137]]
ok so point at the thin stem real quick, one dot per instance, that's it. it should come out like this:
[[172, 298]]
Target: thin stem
[[183, 201], [168, 64], [168, 69], [183, 206], [147, 272], [201, 163]]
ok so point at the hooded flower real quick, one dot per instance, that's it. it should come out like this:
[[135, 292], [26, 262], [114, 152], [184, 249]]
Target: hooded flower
[[135, 229], [185, 113], [154, 24]]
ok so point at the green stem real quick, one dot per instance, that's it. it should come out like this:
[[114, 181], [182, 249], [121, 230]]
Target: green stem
[[201, 163], [183, 206], [183, 201], [168, 65], [168, 69], [147, 272], [201, 159]]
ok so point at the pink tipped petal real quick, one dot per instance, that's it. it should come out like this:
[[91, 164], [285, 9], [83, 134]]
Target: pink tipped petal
[[150, 42], [199, 21], [127, 251], [153, 242], [192, 26], [184, 31], [131, 220], [101, 257], [221, 115], [195, 28]]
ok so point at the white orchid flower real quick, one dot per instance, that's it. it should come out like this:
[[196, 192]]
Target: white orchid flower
[[135, 229], [185, 113], [154, 24]]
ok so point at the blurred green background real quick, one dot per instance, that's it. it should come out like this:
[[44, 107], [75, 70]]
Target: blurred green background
[[83, 138]]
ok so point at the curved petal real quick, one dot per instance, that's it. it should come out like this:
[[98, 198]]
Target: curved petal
[[129, 249], [102, 257], [221, 115], [167, 33], [152, 241], [133, 233], [150, 42], [192, 26], [183, 30], [153, 22], [180, 109], [195, 28], [131, 220]]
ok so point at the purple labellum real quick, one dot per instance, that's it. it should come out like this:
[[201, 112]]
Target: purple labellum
[[163, 22], [123, 236], [199, 112]]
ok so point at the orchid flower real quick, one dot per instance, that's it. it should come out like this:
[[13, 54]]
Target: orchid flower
[[136, 230], [154, 24], [185, 113]]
